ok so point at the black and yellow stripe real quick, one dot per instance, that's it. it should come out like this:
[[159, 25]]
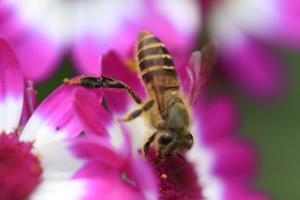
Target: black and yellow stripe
[[155, 63]]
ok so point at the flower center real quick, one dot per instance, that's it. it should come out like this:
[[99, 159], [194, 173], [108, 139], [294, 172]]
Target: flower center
[[178, 179], [20, 170]]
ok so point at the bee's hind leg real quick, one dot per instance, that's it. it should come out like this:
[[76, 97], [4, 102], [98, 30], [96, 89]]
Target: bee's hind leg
[[146, 106], [104, 82]]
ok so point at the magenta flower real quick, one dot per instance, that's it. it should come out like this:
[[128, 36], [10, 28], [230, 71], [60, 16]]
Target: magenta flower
[[219, 166], [246, 32], [43, 31], [121, 173], [39, 157]]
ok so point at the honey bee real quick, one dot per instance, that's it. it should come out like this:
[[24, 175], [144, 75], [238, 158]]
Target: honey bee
[[166, 109]]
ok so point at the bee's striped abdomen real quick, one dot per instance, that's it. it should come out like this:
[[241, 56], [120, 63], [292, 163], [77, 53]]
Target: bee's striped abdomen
[[155, 63]]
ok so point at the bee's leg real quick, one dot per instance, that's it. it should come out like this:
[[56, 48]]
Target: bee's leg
[[104, 82], [146, 106], [148, 143]]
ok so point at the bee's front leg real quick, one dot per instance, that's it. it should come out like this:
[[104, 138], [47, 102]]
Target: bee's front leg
[[148, 143]]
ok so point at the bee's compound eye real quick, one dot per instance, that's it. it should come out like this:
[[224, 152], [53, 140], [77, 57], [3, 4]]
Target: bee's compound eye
[[165, 139], [189, 139], [189, 136]]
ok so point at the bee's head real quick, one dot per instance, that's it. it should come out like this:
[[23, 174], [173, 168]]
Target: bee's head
[[171, 143]]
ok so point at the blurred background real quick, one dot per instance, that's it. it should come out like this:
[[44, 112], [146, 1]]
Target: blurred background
[[275, 130], [258, 44]]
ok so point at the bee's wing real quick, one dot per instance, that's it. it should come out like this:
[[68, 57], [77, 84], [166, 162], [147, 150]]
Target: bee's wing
[[197, 72]]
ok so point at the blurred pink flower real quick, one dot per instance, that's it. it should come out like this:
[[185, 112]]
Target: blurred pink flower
[[40, 159], [246, 32], [43, 31], [220, 164]]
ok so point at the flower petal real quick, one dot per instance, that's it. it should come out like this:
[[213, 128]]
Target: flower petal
[[135, 166], [38, 56], [11, 88], [86, 53], [57, 156], [289, 29], [30, 103], [240, 190], [203, 159], [60, 190], [99, 150], [83, 189], [103, 150], [91, 113], [218, 118], [234, 159], [184, 16], [146, 183], [49, 128], [111, 189], [220, 156], [107, 162], [10, 26], [55, 115], [97, 121], [251, 66]]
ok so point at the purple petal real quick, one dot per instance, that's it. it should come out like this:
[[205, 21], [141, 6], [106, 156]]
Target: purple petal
[[91, 113], [30, 103], [10, 26], [87, 50], [97, 168], [105, 161], [11, 76], [110, 189], [114, 67], [288, 27], [87, 55], [86, 189], [241, 190], [253, 68], [147, 183], [39, 56], [11, 88], [218, 119], [225, 159], [234, 159], [136, 166], [55, 114], [97, 149]]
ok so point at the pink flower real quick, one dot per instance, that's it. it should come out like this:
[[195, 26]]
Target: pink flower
[[246, 32], [39, 157], [219, 166], [43, 31]]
